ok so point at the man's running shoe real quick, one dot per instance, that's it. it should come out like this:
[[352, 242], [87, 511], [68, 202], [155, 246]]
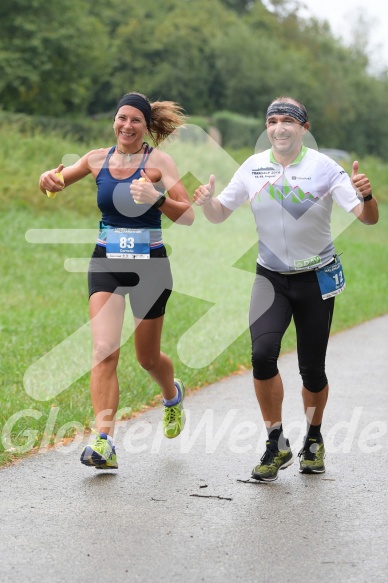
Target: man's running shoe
[[272, 461], [100, 454], [174, 417], [311, 457]]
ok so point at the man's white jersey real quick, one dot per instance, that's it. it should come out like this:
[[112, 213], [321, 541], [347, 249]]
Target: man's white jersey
[[292, 206]]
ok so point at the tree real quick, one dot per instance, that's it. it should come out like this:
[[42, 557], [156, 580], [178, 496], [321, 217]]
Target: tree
[[239, 6], [236, 55], [175, 59], [50, 54]]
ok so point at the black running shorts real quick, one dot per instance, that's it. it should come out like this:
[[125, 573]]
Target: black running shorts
[[148, 282]]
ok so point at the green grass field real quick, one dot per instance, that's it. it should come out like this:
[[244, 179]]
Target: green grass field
[[43, 304]]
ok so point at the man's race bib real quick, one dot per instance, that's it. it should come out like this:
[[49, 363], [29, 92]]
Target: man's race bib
[[331, 279], [128, 243]]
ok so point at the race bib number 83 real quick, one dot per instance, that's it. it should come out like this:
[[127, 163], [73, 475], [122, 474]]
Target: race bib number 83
[[128, 244]]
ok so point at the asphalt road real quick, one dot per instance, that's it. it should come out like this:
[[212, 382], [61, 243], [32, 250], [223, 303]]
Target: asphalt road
[[185, 509]]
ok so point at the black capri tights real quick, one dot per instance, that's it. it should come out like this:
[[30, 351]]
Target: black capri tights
[[277, 298]]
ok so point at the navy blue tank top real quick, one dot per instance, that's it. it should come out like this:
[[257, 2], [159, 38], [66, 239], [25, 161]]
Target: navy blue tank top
[[118, 209]]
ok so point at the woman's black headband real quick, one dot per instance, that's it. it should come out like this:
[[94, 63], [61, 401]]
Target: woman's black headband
[[139, 102]]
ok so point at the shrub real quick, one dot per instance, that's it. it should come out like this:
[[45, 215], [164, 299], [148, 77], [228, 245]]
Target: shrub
[[236, 130]]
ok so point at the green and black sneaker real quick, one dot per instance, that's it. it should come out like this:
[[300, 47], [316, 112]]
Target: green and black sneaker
[[311, 457], [272, 461], [100, 454], [174, 417]]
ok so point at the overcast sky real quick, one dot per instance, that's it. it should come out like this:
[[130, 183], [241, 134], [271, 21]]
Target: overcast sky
[[341, 14]]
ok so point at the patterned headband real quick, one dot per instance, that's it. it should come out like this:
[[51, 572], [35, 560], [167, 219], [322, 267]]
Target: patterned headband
[[289, 109]]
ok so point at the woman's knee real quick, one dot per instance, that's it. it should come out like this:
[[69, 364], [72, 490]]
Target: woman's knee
[[148, 361], [105, 352]]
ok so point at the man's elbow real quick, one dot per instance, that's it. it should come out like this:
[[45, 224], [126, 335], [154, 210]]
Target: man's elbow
[[369, 219], [367, 216]]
